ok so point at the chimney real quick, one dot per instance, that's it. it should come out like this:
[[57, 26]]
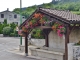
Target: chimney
[[7, 9]]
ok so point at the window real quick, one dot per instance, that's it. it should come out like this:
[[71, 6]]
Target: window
[[15, 23], [10, 17], [15, 16], [2, 15]]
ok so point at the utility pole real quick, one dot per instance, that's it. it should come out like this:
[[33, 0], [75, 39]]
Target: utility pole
[[20, 19]]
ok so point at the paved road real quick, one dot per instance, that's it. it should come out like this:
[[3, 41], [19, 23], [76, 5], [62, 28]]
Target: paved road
[[6, 44]]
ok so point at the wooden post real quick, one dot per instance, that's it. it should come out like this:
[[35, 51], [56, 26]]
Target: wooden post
[[46, 33], [26, 44], [46, 40], [66, 42]]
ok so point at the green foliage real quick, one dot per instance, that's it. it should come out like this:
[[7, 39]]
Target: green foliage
[[76, 12], [13, 26], [37, 34], [12, 34], [1, 27], [5, 21], [7, 31], [15, 33], [16, 10], [47, 5], [71, 5]]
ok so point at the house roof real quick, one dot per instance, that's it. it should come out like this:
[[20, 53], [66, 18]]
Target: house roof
[[64, 16], [10, 12]]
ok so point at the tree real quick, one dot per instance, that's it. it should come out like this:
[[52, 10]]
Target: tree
[[1, 27], [16, 10], [13, 26]]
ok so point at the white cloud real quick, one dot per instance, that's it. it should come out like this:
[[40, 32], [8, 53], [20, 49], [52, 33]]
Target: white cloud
[[11, 4]]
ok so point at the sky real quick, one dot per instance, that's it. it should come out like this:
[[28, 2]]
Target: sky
[[12, 4]]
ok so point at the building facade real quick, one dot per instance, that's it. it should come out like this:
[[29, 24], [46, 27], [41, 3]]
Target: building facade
[[11, 17]]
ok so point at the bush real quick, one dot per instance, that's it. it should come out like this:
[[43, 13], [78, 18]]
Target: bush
[[12, 34], [7, 31], [1, 27], [15, 33], [5, 21]]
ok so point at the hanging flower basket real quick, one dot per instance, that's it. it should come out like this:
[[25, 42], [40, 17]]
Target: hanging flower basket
[[59, 28], [21, 33], [54, 28], [24, 29]]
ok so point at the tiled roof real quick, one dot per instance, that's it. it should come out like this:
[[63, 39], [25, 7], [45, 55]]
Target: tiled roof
[[63, 14]]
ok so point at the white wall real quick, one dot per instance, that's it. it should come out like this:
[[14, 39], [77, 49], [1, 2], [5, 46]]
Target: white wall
[[55, 41], [59, 42], [11, 19]]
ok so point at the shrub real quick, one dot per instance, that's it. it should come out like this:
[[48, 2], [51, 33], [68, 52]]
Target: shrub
[[15, 33], [1, 27], [7, 31], [12, 34], [5, 21]]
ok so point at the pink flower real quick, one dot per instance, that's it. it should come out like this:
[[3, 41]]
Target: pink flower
[[59, 33], [60, 26], [26, 26], [19, 32]]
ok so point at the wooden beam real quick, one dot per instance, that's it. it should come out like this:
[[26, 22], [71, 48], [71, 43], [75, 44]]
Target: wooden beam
[[66, 42], [26, 44]]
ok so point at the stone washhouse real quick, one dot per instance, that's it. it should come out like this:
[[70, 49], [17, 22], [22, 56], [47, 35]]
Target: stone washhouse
[[59, 28]]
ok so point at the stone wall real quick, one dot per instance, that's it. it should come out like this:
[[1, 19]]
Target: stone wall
[[38, 42], [74, 36], [49, 55], [59, 42], [55, 41]]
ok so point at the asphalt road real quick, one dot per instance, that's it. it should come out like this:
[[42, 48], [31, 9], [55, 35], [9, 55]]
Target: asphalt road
[[7, 44]]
